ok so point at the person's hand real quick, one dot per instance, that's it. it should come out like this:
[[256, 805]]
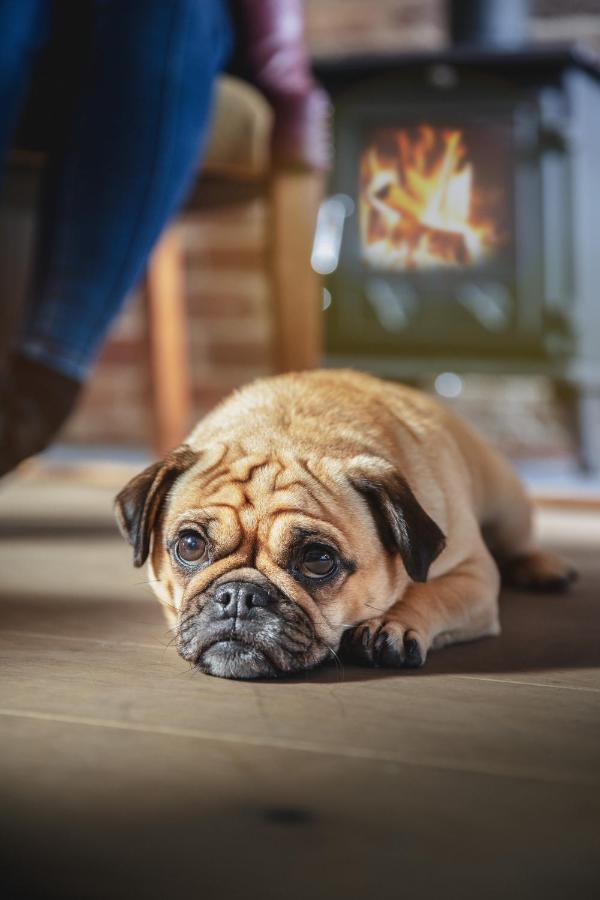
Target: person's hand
[[272, 41], [302, 130]]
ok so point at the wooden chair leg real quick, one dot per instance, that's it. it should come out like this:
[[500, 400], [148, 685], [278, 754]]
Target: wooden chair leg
[[295, 199], [164, 297]]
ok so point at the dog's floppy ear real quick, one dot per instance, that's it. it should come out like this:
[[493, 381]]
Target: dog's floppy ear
[[401, 521], [137, 505]]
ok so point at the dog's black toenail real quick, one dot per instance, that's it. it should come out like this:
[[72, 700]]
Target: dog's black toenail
[[380, 641], [553, 585], [288, 815], [347, 637], [414, 657], [365, 638], [390, 656]]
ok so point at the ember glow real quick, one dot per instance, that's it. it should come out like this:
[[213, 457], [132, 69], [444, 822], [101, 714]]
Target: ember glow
[[420, 203]]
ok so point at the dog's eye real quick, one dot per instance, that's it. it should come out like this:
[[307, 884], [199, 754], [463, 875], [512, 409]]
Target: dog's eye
[[317, 561], [190, 547]]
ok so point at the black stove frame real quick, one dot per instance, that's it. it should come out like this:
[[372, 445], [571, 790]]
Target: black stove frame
[[550, 98]]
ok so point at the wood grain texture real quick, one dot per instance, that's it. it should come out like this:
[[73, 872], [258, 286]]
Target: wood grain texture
[[297, 302], [124, 772]]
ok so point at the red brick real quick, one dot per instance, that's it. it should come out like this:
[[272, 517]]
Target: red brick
[[229, 257], [128, 351], [240, 353], [222, 306]]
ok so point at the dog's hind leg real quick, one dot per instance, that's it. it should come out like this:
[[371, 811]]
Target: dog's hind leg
[[508, 531], [538, 571]]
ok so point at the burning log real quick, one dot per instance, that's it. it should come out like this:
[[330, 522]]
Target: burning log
[[418, 204]]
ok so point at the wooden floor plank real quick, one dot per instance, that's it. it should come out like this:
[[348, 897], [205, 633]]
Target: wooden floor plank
[[476, 725], [125, 774], [110, 813]]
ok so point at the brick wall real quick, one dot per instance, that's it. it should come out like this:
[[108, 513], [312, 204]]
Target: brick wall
[[348, 26], [230, 324], [230, 328]]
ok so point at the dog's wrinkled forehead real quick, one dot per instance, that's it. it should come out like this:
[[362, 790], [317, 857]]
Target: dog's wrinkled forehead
[[257, 488], [256, 500]]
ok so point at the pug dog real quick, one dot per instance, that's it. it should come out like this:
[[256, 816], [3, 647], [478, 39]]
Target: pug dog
[[311, 507]]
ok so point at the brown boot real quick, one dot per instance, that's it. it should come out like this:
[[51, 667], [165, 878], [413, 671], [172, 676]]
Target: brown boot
[[35, 401]]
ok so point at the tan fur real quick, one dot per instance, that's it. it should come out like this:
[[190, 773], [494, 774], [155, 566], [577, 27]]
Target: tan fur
[[281, 453]]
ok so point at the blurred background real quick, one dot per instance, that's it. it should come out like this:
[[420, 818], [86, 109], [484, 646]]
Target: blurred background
[[211, 315], [453, 245]]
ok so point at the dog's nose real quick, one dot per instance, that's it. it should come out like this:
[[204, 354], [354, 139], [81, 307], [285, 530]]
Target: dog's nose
[[237, 598]]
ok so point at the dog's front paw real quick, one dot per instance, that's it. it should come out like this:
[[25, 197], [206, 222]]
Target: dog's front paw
[[385, 642]]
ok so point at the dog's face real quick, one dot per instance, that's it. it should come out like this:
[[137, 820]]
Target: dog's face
[[265, 560]]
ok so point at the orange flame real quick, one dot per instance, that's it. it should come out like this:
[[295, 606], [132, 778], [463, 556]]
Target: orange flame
[[418, 207]]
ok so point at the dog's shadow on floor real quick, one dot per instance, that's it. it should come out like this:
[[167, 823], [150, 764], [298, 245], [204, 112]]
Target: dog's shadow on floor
[[539, 632]]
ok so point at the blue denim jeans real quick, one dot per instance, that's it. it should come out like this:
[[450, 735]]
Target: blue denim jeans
[[130, 150]]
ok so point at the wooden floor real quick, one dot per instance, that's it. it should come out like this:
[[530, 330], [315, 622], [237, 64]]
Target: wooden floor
[[124, 774]]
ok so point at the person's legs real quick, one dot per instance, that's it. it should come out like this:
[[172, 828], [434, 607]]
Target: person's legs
[[129, 157], [24, 26], [122, 165]]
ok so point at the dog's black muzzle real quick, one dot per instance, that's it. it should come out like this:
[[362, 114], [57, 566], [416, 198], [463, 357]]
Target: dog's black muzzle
[[237, 599], [243, 629]]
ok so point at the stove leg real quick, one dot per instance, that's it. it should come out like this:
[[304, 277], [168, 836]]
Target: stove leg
[[580, 407], [588, 415]]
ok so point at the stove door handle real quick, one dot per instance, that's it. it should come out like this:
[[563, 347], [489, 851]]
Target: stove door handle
[[329, 232]]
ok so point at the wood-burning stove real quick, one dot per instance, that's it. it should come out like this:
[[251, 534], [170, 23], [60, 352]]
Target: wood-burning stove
[[463, 230]]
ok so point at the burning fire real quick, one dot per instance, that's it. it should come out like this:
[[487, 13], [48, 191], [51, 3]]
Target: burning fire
[[418, 205]]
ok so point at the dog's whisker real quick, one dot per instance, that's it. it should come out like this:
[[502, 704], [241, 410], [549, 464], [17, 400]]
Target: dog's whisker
[[326, 620], [378, 608], [169, 606], [337, 660]]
